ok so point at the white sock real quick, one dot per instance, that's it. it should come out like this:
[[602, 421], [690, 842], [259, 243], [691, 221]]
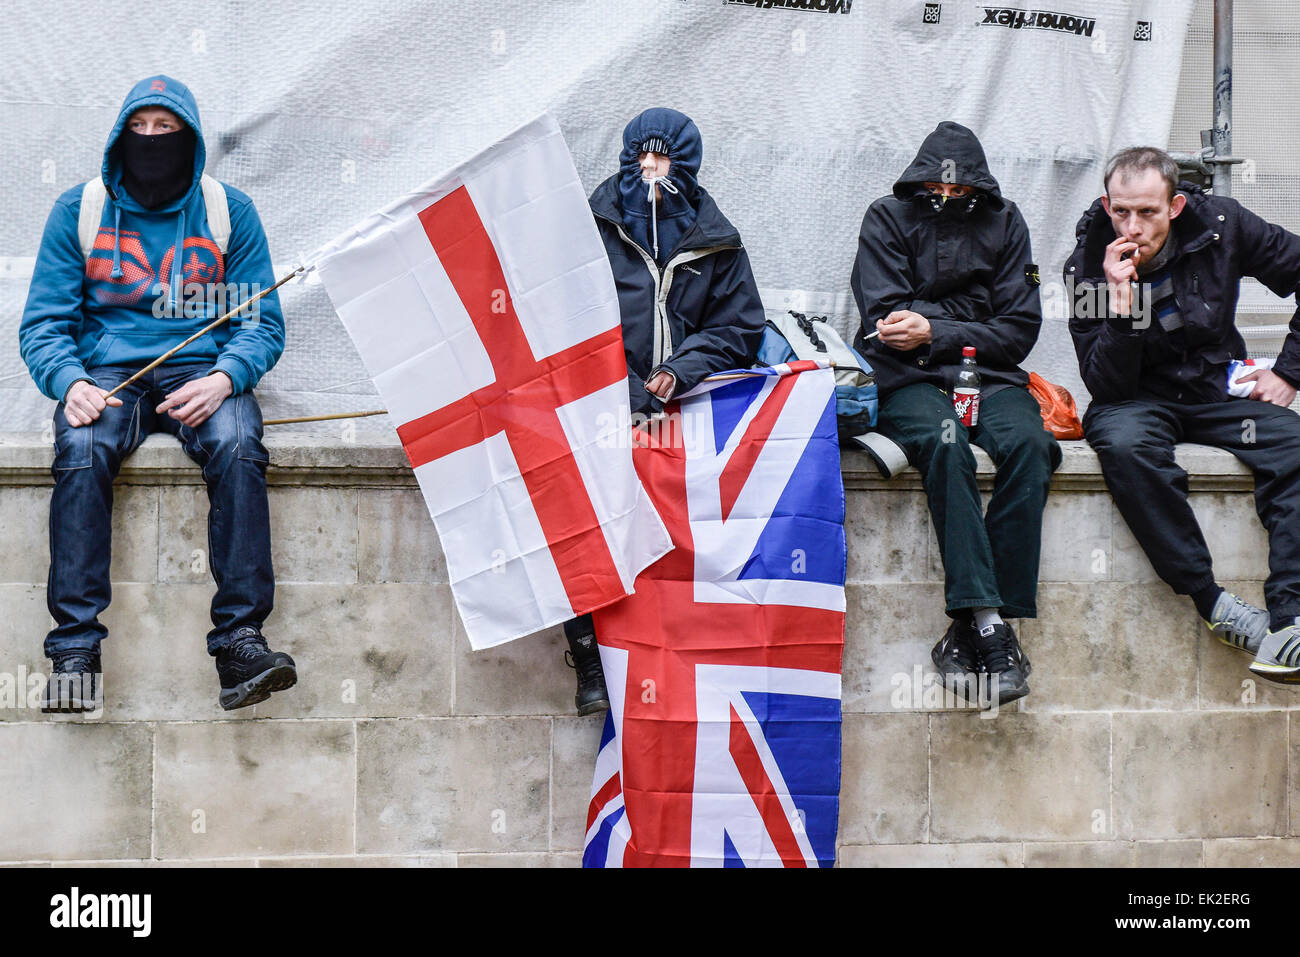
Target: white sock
[[986, 618]]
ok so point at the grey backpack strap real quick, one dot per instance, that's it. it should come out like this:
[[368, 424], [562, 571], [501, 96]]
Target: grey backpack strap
[[214, 199], [93, 195]]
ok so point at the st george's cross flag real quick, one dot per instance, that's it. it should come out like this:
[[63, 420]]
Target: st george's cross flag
[[484, 308], [722, 744]]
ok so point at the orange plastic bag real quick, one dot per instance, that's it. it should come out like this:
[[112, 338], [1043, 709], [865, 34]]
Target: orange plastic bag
[[1060, 415]]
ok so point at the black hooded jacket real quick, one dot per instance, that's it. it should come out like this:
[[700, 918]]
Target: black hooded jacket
[[1219, 241], [965, 265], [697, 314]]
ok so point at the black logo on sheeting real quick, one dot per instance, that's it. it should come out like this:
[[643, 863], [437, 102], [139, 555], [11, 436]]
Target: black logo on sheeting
[[1015, 18], [932, 12], [817, 6], [1143, 31]]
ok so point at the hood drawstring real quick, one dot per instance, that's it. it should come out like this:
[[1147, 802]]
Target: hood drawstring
[[665, 183], [174, 280], [117, 242]]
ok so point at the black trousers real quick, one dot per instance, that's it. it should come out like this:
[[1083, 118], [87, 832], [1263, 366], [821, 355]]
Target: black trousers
[[989, 561], [1135, 442]]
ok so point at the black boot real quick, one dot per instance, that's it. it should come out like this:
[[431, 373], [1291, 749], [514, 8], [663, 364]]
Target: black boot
[[250, 671], [584, 657]]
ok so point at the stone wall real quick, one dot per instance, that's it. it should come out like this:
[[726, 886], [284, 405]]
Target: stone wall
[[1144, 741]]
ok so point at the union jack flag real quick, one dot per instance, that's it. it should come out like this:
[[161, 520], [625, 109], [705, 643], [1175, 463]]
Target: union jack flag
[[722, 745]]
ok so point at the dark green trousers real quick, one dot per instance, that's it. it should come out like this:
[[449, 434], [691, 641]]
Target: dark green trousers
[[989, 561]]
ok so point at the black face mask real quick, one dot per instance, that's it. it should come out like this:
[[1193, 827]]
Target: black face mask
[[157, 170]]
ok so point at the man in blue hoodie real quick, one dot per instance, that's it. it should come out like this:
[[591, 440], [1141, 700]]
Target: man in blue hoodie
[[111, 291], [686, 294]]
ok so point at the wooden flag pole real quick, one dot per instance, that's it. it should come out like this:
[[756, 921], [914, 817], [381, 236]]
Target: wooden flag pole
[[324, 418], [204, 331]]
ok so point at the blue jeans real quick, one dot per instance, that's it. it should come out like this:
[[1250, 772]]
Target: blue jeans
[[228, 447]]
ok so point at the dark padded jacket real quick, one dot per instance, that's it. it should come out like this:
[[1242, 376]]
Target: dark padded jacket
[[1219, 241], [697, 315], [965, 265]]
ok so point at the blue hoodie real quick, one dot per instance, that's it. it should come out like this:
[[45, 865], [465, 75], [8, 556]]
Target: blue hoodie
[[106, 311]]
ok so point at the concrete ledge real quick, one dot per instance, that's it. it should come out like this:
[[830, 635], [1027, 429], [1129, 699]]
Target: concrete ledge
[[377, 461]]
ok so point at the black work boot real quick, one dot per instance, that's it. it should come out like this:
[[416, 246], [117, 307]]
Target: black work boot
[[74, 686], [1003, 660], [250, 671], [584, 657]]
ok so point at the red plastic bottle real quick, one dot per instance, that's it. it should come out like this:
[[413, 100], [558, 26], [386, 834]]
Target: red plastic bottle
[[966, 393]]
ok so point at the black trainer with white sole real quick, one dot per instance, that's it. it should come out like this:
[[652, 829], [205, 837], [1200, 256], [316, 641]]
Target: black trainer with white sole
[[250, 671]]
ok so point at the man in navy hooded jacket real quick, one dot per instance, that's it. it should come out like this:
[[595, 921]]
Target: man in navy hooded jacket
[[944, 262], [155, 276], [687, 295]]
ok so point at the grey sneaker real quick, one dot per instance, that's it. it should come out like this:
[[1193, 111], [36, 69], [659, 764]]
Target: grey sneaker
[[1238, 624], [1279, 655]]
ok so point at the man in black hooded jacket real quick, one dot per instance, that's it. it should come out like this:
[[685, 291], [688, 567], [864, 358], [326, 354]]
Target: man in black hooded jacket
[[943, 263], [1152, 286], [686, 294]]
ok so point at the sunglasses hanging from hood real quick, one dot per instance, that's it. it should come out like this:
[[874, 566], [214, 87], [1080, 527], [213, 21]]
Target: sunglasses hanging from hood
[[157, 170]]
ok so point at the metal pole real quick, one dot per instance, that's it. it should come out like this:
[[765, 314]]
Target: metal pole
[[1221, 135]]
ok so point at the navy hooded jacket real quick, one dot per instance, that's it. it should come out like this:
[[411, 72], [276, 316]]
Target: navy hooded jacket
[[697, 311], [130, 302], [966, 265], [1219, 241]]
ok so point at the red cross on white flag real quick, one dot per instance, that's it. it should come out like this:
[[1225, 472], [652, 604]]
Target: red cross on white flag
[[484, 307]]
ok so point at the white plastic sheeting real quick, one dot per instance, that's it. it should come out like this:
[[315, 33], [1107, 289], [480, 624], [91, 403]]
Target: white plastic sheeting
[[809, 109]]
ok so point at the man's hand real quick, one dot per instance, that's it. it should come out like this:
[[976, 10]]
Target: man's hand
[[904, 330], [1269, 387], [1121, 271], [661, 385], [197, 399], [84, 402]]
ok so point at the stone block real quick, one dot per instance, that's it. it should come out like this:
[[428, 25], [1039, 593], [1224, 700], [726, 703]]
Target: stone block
[[23, 666], [889, 631], [25, 525], [1035, 777], [571, 859], [884, 791], [931, 855], [1076, 537], [1168, 853], [314, 534], [364, 650], [362, 860], [1237, 540], [887, 537], [1111, 646], [255, 788], [574, 743], [183, 535], [468, 784], [396, 538], [1079, 854], [135, 534], [1200, 774], [156, 662], [1268, 852], [75, 791], [526, 676]]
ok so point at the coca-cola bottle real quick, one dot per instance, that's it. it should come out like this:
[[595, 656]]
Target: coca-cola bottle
[[966, 393]]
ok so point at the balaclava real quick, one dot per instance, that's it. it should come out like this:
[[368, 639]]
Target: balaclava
[[157, 170]]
